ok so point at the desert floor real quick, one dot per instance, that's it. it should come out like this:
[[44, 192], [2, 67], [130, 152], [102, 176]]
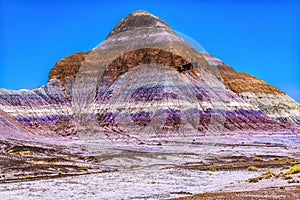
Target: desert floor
[[236, 166]]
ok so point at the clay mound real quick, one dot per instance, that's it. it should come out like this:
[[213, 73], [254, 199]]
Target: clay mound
[[145, 79]]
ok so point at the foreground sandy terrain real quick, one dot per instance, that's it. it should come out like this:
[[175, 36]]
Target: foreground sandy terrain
[[288, 193], [228, 167]]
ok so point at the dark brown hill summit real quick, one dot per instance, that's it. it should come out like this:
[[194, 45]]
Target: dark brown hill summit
[[139, 19]]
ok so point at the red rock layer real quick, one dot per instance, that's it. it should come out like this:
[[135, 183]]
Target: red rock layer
[[67, 67], [240, 82], [137, 57]]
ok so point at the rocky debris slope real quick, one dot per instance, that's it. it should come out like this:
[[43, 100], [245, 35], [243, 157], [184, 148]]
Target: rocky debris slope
[[145, 80], [11, 128]]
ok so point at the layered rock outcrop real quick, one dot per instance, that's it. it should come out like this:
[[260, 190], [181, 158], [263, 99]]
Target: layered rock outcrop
[[145, 80], [269, 99], [67, 67]]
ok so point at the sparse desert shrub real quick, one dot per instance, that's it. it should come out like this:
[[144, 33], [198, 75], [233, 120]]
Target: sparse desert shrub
[[28, 176], [293, 181], [27, 153], [287, 177], [252, 168], [134, 166], [83, 168], [293, 170], [254, 180], [230, 166], [268, 175], [213, 169], [40, 162], [255, 158], [282, 187]]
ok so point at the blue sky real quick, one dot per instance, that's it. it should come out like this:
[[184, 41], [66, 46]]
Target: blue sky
[[258, 37]]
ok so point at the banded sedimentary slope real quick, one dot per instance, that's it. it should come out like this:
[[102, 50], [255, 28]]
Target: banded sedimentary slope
[[145, 80], [274, 102]]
